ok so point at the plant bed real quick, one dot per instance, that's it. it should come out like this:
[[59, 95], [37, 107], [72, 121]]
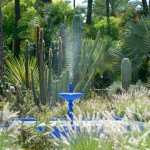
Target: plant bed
[[61, 126]]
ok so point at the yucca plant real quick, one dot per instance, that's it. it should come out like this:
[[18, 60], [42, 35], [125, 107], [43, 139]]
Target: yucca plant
[[15, 71]]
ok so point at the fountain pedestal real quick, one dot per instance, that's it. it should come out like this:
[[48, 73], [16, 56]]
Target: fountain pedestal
[[70, 97], [70, 111]]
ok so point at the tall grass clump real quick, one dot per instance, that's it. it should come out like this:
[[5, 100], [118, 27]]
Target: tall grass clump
[[92, 105], [137, 102], [8, 132], [104, 134]]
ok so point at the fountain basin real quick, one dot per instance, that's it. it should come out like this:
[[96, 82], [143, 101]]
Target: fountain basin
[[61, 126], [70, 96]]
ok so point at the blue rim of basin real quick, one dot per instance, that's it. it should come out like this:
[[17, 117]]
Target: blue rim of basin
[[57, 133], [25, 119], [63, 119], [70, 96]]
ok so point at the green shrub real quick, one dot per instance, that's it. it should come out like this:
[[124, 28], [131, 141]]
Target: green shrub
[[32, 139], [115, 29]]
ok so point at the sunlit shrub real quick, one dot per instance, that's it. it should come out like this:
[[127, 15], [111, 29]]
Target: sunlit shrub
[[115, 29]]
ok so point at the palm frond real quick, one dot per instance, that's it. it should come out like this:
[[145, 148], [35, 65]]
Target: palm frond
[[147, 42], [136, 40], [114, 58], [134, 36]]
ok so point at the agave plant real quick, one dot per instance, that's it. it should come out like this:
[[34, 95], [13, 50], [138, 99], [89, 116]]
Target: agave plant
[[15, 71]]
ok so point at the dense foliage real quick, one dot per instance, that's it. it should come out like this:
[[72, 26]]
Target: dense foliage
[[106, 55]]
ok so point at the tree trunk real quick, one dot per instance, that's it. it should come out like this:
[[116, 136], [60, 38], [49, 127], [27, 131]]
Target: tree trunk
[[108, 18], [112, 9], [74, 4], [89, 12], [47, 1], [149, 8], [145, 7], [1, 48], [16, 37]]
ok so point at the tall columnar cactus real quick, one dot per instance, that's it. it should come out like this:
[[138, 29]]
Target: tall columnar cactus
[[126, 73], [37, 43], [18, 95], [36, 99], [49, 87], [26, 63], [76, 45], [60, 85], [41, 66], [60, 55], [50, 73]]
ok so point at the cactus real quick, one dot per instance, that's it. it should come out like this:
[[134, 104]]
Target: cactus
[[60, 85], [126, 73], [42, 69], [60, 55], [50, 73], [36, 100], [18, 96], [37, 44], [49, 87], [87, 58], [26, 63], [46, 79], [92, 56], [76, 45]]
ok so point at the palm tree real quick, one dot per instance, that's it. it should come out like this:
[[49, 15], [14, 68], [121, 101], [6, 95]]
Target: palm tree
[[115, 6], [145, 7], [137, 45], [47, 1], [17, 39], [89, 12], [107, 15], [2, 3], [1, 47], [74, 4], [149, 8]]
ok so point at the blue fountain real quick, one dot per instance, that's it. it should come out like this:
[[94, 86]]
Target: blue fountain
[[70, 97]]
